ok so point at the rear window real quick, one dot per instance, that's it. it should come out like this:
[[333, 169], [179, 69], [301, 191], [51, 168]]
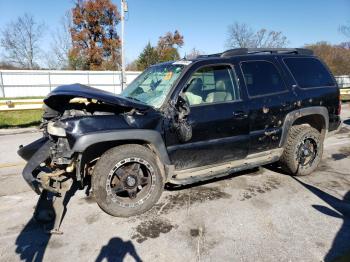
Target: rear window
[[309, 72], [262, 78]]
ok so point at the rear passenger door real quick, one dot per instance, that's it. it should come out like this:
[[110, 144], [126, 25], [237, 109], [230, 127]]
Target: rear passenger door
[[269, 101]]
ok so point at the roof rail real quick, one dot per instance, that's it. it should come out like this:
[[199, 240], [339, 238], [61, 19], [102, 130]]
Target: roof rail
[[245, 51], [210, 55]]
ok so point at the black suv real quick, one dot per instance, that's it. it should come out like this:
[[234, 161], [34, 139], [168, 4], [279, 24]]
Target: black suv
[[182, 122]]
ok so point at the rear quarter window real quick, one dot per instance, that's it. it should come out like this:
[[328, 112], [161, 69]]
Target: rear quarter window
[[309, 72], [262, 78]]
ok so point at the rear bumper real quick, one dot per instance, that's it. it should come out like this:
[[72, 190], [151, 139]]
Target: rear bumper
[[35, 153], [345, 94]]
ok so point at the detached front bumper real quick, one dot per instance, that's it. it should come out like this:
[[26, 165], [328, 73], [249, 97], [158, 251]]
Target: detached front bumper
[[35, 153]]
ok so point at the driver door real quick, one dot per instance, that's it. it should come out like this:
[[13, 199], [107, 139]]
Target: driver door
[[218, 117]]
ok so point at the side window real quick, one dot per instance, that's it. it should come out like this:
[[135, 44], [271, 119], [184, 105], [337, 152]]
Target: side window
[[262, 78], [212, 84], [309, 72]]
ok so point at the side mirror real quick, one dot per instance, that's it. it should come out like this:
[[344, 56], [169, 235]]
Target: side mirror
[[182, 126]]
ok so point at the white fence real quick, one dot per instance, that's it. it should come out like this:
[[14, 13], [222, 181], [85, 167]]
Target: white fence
[[26, 83], [343, 81]]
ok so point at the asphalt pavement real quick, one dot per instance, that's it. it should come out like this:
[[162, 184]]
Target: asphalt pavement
[[256, 215]]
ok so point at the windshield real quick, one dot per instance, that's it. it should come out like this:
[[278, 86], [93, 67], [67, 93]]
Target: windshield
[[153, 85]]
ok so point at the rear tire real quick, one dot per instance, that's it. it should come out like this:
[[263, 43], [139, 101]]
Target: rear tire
[[303, 150], [127, 180]]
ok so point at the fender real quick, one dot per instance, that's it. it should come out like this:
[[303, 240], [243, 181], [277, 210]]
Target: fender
[[294, 115], [150, 136]]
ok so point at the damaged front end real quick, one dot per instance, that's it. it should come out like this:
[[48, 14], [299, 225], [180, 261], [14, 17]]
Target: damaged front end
[[53, 167], [50, 173]]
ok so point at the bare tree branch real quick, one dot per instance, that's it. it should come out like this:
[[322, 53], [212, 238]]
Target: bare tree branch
[[58, 58], [242, 35], [20, 39], [345, 29], [194, 53]]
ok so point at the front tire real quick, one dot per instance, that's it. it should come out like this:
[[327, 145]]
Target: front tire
[[127, 180], [303, 150]]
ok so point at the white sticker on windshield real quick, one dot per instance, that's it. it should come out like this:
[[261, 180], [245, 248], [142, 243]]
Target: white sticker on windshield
[[182, 62]]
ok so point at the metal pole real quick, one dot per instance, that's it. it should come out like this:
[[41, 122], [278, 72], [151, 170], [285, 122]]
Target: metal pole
[[122, 19], [2, 85], [50, 81]]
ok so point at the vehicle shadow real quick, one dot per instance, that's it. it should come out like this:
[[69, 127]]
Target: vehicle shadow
[[116, 250], [31, 243], [34, 238], [340, 209], [347, 122]]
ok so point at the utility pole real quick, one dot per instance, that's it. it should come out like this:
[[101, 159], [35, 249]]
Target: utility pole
[[124, 9]]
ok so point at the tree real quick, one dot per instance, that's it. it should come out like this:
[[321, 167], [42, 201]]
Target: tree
[[21, 40], [166, 50], [345, 29], [7, 66], [148, 57], [337, 57], [132, 66], [194, 54], [168, 45], [243, 36], [96, 44]]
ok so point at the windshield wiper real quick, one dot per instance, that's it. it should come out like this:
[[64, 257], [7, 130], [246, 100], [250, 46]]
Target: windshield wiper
[[133, 98]]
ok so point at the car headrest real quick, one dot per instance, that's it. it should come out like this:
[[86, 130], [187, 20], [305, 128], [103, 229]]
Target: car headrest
[[196, 85], [220, 86]]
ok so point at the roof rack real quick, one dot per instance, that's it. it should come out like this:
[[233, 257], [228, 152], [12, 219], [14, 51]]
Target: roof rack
[[246, 51]]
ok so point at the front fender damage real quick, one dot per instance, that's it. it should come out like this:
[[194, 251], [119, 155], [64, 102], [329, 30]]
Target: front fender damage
[[54, 185], [35, 153]]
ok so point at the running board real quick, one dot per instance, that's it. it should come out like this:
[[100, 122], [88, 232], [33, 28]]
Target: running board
[[193, 175]]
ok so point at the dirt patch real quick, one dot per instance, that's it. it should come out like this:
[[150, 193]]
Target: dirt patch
[[260, 203], [320, 244], [333, 184], [252, 191], [194, 232], [197, 232], [55, 244], [344, 152], [151, 229], [324, 166], [87, 199], [343, 130], [190, 197], [84, 247], [17, 228], [90, 219]]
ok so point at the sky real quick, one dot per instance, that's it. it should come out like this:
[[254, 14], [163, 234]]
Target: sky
[[203, 23]]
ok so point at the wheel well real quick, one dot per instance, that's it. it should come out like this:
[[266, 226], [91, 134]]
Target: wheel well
[[95, 151], [316, 121], [98, 149]]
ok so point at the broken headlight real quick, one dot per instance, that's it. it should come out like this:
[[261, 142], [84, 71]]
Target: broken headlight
[[55, 129]]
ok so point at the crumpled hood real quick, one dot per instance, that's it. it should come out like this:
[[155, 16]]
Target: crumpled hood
[[62, 94]]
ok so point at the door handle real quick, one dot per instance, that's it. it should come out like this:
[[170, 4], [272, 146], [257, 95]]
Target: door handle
[[240, 114]]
